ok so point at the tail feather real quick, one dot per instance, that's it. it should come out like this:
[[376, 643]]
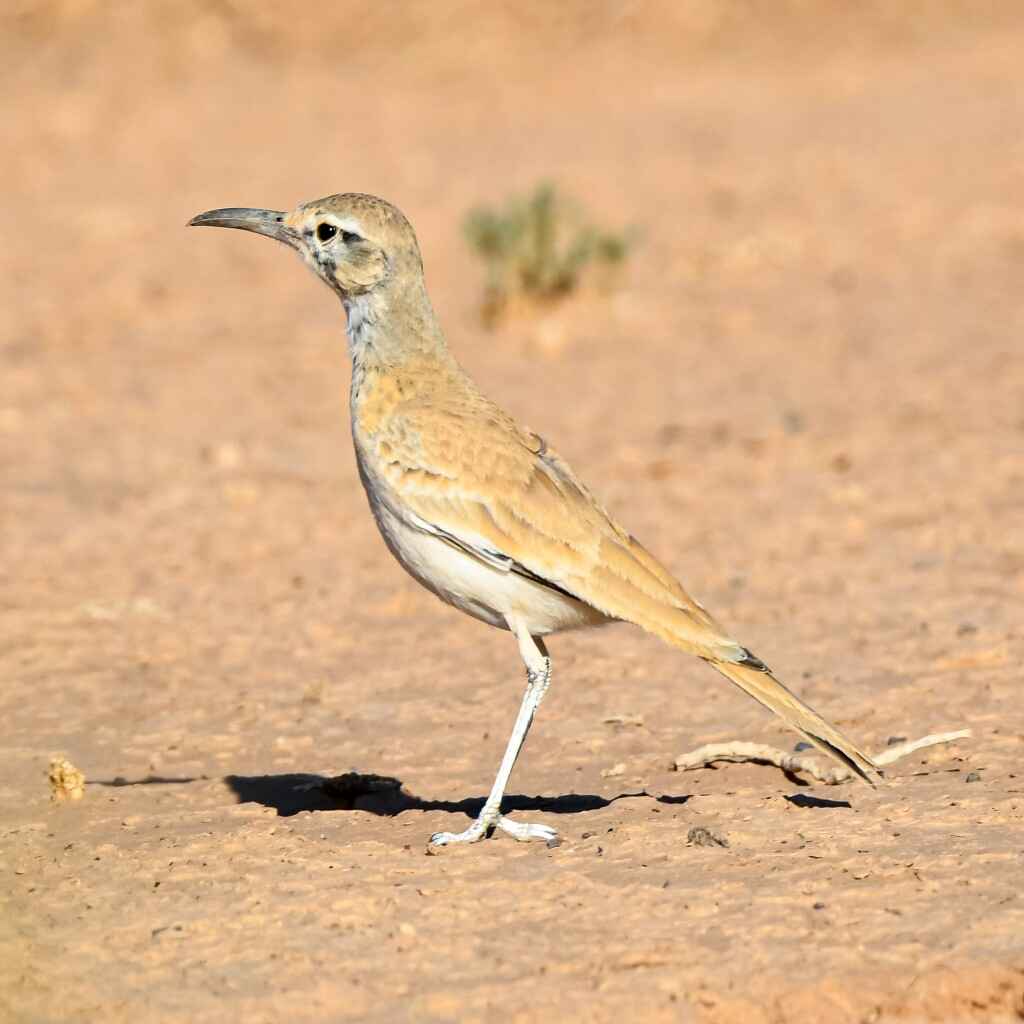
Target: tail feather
[[630, 584], [752, 676]]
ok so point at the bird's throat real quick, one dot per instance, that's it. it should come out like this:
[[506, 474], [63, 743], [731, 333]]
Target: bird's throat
[[388, 327]]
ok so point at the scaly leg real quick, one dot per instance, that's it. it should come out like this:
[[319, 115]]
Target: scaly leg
[[538, 678]]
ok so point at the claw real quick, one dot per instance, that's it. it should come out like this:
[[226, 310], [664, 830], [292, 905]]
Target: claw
[[473, 834]]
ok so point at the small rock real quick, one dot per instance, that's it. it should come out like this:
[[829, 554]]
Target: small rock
[[893, 740], [66, 781], [701, 836], [792, 422], [819, 906], [972, 777], [613, 772]]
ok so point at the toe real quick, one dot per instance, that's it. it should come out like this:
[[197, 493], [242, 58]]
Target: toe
[[524, 831], [472, 834]]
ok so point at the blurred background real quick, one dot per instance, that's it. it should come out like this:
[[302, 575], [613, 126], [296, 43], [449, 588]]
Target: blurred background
[[820, 292], [801, 387]]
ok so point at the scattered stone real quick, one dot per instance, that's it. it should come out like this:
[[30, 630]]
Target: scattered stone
[[819, 906], [701, 836], [893, 740], [972, 777]]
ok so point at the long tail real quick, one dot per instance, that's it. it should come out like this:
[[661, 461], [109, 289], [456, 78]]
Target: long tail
[[693, 630], [753, 677], [629, 583]]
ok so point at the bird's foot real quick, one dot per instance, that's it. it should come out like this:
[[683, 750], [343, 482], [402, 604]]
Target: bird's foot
[[483, 828]]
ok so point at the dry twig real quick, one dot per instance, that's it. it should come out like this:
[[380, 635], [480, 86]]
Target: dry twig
[[758, 753]]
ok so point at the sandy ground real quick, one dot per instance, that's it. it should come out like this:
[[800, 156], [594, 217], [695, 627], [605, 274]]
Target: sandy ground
[[805, 396]]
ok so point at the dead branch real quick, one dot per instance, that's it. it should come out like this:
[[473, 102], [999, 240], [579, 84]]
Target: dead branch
[[758, 753]]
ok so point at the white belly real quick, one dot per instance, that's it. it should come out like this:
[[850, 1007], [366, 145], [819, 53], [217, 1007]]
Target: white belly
[[477, 588]]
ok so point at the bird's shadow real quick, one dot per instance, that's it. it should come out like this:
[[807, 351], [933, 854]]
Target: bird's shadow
[[386, 796]]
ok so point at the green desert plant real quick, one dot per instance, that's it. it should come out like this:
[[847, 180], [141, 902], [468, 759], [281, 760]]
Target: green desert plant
[[538, 247]]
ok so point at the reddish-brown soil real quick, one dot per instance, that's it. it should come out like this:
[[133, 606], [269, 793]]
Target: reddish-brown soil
[[806, 396]]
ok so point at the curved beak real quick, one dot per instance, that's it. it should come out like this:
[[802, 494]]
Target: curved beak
[[262, 222]]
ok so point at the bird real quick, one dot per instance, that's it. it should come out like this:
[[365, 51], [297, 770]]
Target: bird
[[481, 511]]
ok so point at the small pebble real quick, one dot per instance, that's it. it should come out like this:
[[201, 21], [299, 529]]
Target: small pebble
[[700, 836], [972, 777], [893, 740], [792, 422], [819, 906]]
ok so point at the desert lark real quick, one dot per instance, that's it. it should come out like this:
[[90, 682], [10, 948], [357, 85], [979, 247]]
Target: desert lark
[[482, 512]]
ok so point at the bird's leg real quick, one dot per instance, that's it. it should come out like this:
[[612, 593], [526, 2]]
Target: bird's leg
[[538, 678]]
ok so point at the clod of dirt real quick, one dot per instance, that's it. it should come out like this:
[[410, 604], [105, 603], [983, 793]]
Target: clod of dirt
[[701, 836], [66, 781]]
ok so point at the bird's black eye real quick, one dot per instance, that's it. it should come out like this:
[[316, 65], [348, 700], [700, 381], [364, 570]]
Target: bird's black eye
[[325, 232], [348, 237]]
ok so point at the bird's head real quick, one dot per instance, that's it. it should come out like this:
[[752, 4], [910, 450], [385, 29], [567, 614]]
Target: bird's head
[[355, 243]]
